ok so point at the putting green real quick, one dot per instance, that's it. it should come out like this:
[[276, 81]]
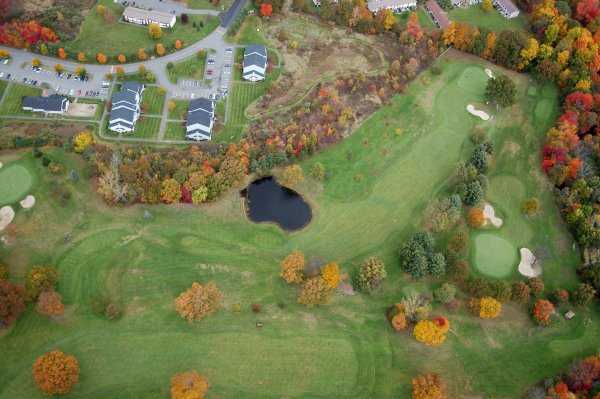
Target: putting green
[[494, 256], [15, 183], [472, 80]]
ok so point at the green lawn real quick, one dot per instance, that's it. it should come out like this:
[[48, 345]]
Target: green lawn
[[3, 86], [12, 104], [491, 20], [175, 131], [250, 32], [494, 256], [97, 35], [405, 153], [147, 127], [180, 110], [206, 4], [153, 100], [192, 68], [424, 19], [15, 183]]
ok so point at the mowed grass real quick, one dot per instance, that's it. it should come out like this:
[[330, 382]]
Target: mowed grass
[[175, 131], [192, 68], [494, 256], [153, 100], [13, 101], [242, 94], [491, 20], [424, 19], [379, 181], [3, 86], [147, 127], [96, 35], [15, 183], [180, 110]]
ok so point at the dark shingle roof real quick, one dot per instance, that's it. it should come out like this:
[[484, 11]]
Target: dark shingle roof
[[132, 86], [122, 113], [53, 102], [255, 54], [201, 111]]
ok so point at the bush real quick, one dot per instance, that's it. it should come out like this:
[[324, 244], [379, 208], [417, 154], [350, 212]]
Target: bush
[[39, 279], [537, 286], [255, 307], [521, 292], [371, 273], [561, 296], [292, 268], [317, 171], [445, 294], [583, 294], [198, 301], [542, 311], [56, 373]]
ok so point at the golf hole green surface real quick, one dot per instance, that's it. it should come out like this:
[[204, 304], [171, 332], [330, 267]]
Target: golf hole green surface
[[494, 256], [15, 183]]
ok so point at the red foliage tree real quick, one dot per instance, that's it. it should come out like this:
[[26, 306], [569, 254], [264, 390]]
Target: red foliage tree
[[266, 9], [12, 302], [542, 310], [587, 10]]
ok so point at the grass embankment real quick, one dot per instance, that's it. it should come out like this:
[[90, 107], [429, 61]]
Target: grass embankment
[[380, 180], [113, 38]]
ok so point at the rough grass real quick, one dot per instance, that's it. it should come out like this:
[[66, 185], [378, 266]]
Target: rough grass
[[404, 153], [15, 183], [96, 35]]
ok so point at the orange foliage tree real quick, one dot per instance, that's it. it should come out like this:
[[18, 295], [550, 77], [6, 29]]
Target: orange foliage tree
[[188, 385], [292, 267], [178, 44], [81, 57], [428, 386], [122, 59], [62, 54], [56, 373], [397, 317], [542, 311], [50, 304], [476, 217], [266, 9], [331, 274], [101, 58], [198, 301], [160, 49]]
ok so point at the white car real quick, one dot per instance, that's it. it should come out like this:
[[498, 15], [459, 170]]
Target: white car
[[1, 74], [71, 92], [5, 61]]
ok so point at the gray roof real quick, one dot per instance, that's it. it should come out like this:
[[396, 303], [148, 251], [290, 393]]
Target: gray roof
[[201, 110], [122, 113], [126, 96], [53, 102], [132, 86], [508, 6], [376, 5], [154, 16], [255, 54]]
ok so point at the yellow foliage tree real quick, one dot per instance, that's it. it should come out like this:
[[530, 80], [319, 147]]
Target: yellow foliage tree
[[160, 49], [188, 385], [142, 55], [199, 301], [101, 10], [36, 62], [315, 291], [58, 68], [81, 57], [489, 308], [487, 5], [429, 332], [428, 386], [331, 274], [292, 268], [155, 31], [82, 141], [292, 175]]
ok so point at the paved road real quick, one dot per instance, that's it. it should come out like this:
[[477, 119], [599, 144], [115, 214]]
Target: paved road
[[214, 40]]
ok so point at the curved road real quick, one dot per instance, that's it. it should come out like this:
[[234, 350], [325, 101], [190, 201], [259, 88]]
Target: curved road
[[158, 65]]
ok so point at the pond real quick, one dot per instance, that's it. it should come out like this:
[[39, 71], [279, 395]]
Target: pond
[[268, 201]]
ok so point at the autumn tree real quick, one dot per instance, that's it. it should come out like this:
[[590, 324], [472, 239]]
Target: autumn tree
[[431, 332], [82, 141], [292, 267], [198, 301], [489, 308], [536, 285], [542, 311], [188, 385], [155, 31], [331, 274], [178, 44], [142, 55], [121, 58], [81, 57], [49, 303], [266, 9], [292, 175], [371, 273], [39, 279], [159, 49], [62, 54], [101, 10], [314, 291], [413, 27], [583, 294], [56, 373], [520, 292], [35, 62], [428, 386], [12, 302], [170, 191], [501, 90], [487, 5], [101, 58], [476, 218], [397, 317], [58, 68]]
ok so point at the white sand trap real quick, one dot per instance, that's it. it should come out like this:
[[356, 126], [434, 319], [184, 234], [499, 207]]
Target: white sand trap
[[529, 266], [1, 165], [489, 73], [28, 202], [481, 114], [490, 216], [6, 216]]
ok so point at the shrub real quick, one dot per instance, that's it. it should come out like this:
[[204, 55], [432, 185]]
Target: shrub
[[255, 307], [531, 206], [188, 385], [397, 317], [583, 294], [428, 386], [476, 218], [331, 275], [561, 296], [170, 191], [292, 268], [292, 175], [371, 273], [198, 301], [39, 279], [317, 171], [314, 291], [82, 141], [542, 311], [521, 292], [445, 294], [50, 304], [537, 286], [12, 302], [56, 373]]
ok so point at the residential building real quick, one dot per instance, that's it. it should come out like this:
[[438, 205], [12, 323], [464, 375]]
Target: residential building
[[396, 6], [200, 118], [255, 63], [465, 3], [125, 107], [146, 17], [53, 104], [438, 15], [507, 8]]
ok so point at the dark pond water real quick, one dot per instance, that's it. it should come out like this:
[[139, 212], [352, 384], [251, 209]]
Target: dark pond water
[[268, 201]]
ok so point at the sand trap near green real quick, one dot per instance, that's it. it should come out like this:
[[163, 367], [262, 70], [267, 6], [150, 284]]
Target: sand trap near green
[[494, 256], [15, 183]]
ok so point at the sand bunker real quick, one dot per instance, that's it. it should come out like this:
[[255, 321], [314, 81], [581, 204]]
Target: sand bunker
[[489, 73], [1, 165], [6, 216], [28, 202], [490, 216], [481, 114], [529, 266]]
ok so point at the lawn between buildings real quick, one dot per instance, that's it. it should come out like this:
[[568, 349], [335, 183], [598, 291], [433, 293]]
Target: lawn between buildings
[[491, 20], [97, 35], [380, 180], [192, 68]]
